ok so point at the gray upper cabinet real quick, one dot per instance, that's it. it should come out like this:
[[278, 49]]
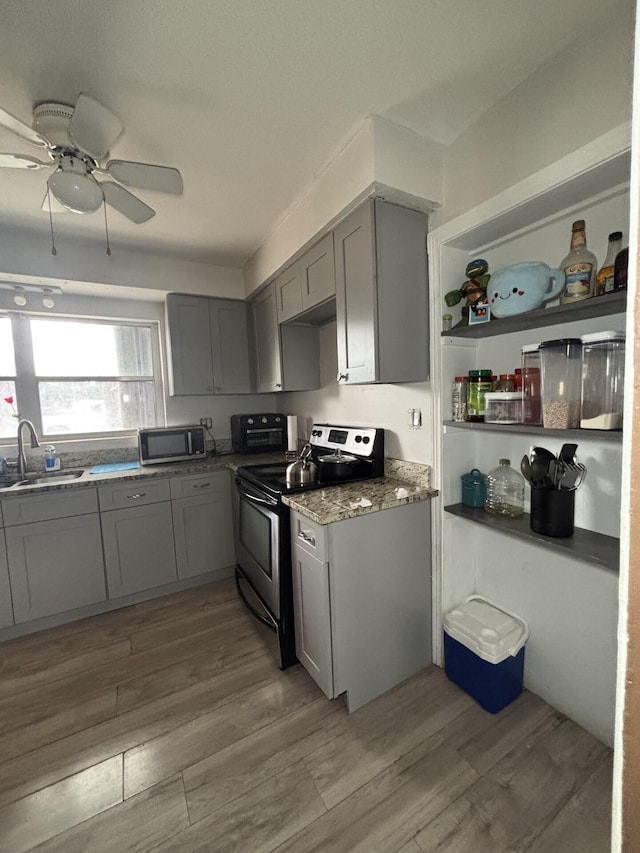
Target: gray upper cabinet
[[208, 345], [382, 295], [288, 288], [317, 273], [307, 283], [266, 340]]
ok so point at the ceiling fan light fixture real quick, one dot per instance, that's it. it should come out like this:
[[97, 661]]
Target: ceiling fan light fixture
[[78, 193]]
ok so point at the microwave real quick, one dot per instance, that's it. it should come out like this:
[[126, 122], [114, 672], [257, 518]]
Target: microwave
[[170, 444]]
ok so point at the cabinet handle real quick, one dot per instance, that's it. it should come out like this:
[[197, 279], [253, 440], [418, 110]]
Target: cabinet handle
[[306, 538], [277, 384], [136, 496], [201, 485], [342, 377]]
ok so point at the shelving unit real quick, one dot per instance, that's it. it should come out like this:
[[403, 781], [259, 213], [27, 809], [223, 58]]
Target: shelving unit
[[584, 544], [603, 306], [565, 588]]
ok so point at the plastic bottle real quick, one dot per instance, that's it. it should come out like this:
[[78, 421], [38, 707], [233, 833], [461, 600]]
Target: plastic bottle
[[447, 320], [579, 267], [459, 399], [604, 278], [620, 270], [51, 458], [479, 382], [505, 491]]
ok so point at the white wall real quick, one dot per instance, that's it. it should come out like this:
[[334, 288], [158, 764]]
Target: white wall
[[26, 253], [567, 102]]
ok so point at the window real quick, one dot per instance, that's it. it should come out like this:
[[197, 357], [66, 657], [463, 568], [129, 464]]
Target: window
[[77, 376]]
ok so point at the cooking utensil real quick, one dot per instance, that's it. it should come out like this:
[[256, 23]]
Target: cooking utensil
[[337, 466], [525, 468], [540, 460], [303, 471], [568, 453]]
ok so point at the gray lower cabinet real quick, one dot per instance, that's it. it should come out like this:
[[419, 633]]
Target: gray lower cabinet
[[312, 617], [202, 523], [6, 607], [208, 345], [138, 537], [362, 600], [382, 295], [55, 565]]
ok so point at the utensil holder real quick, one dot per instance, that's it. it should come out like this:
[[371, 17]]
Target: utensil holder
[[552, 512]]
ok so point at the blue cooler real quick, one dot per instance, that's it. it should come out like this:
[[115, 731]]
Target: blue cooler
[[484, 652]]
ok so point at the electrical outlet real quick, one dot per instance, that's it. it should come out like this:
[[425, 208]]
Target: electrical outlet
[[207, 423]]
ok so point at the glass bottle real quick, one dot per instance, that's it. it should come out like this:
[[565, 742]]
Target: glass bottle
[[604, 278], [505, 491], [478, 383], [620, 270], [579, 267], [447, 320]]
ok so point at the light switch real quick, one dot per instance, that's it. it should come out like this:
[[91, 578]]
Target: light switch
[[415, 418]]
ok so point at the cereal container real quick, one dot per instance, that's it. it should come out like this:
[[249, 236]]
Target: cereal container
[[602, 380], [561, 364]]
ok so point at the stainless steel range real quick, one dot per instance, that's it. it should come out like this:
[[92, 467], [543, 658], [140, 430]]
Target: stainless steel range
[[262, 529]]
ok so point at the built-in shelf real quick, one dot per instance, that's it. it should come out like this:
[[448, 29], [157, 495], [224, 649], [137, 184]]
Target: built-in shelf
[[612, 435], [583, 545], [601, 306]]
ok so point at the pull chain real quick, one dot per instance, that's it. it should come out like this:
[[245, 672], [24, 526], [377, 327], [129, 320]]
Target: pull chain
[[54, 251], [106, 227]]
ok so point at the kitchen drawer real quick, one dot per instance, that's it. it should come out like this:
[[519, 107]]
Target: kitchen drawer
[[192, 485], [309, 536], [138, 493], [43, 507]]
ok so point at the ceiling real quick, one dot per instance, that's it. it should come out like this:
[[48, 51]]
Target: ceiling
[[251, 98]]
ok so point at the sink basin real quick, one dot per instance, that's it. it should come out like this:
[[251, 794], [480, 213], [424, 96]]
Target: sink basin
[[44, 479]]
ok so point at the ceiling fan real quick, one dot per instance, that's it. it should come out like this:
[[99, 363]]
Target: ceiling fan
[[76, 140]]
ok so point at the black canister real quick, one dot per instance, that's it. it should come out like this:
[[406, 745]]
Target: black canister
[[552, 511]]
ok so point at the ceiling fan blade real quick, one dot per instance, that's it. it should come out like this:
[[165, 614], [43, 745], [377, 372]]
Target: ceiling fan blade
[[126, 203], [93, 128], [21, 129], [145, 176], [21, 161]]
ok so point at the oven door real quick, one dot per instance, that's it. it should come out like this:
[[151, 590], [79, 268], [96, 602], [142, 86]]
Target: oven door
[[258, 542]]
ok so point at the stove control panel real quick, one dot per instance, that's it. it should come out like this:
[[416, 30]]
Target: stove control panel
[[359, 441]]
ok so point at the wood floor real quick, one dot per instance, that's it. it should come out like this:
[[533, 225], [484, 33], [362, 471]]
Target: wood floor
[[167, 726]]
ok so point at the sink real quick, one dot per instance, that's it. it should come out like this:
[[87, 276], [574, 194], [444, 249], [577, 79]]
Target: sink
[[41, 478]]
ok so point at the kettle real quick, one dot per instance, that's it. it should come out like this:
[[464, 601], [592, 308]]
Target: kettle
[[303, 471]]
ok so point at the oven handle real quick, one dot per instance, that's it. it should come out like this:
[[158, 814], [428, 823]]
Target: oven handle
[[268, 622], [253, 496]]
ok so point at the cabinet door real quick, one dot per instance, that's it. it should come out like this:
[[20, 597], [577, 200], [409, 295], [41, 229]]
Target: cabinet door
[[317, 273], [356, 315], [138, 548], [55, 566], [266, 336], [230, 346], [6, 607], [288, 293], [203, 524], [312, 618], [189, 345]]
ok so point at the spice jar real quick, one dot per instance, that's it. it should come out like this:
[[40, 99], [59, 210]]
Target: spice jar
[[459, 399], [478, 384], [505, 382]]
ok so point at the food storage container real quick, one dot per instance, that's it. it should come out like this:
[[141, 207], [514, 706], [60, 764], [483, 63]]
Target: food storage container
[[602, 380], [474, 488], [561, 364], [531, 381], [503, 407]]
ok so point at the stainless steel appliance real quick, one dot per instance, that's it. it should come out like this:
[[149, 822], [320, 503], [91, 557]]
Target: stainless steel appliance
[[258, 433], [170, 444], [262, 528]]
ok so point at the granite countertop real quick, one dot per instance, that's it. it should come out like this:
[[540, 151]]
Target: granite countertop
[[169, 469], [403, 483]]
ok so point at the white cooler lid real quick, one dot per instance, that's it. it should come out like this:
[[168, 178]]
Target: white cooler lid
[[492, 633]]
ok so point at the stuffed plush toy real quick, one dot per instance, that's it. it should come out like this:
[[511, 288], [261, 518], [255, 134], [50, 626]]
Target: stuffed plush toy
[[474, 290]]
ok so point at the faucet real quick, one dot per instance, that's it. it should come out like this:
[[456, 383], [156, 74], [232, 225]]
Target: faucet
[[22, 459]]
